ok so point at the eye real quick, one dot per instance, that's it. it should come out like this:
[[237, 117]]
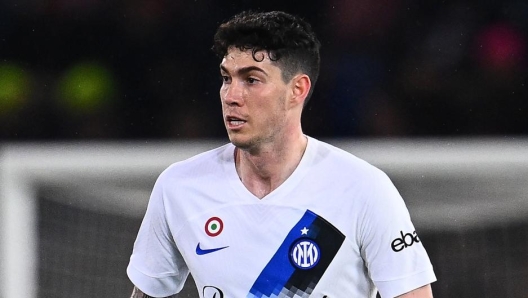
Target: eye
[[251, 80], [225, 79]]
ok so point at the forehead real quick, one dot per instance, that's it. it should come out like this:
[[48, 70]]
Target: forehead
[[236, 59]]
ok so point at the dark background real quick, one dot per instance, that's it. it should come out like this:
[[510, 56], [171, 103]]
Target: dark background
[[131, 69], [92, 70]]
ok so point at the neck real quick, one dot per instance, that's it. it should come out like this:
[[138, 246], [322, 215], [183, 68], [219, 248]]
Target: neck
[[264, 171]]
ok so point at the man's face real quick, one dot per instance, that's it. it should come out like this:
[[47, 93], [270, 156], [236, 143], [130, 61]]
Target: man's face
[[254, 99]]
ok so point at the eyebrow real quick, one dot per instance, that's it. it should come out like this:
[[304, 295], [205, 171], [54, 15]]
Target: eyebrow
[[245, 70]]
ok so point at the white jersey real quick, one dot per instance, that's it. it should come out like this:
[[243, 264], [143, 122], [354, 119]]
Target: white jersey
[[336, 228]]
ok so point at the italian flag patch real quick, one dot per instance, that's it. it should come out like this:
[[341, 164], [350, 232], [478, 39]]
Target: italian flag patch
[[214, 226]]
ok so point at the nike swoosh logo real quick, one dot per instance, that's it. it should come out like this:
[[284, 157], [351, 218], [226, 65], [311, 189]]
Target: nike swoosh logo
[[200, 251]]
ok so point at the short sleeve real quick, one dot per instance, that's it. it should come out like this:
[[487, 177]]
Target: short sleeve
[[393, 253], [156, 266]]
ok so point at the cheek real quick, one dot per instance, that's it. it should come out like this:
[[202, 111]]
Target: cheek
[[222, 92], [274, 112], [223, 97]]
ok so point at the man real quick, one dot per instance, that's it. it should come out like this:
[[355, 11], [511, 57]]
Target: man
[[275, 213]]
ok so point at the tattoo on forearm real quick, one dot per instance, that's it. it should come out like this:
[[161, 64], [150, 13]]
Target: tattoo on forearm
[[136, 293]]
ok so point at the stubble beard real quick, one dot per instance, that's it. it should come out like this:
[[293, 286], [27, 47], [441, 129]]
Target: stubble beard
[[251, 145], [254, 144]]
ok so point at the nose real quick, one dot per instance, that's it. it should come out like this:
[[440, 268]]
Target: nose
[[232, 94]]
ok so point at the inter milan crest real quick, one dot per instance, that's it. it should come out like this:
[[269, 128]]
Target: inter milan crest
[[304, 253], [214, 226]]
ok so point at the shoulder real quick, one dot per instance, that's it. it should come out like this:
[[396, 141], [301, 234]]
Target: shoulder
[[200, 165], [338, 162], [349, 176]]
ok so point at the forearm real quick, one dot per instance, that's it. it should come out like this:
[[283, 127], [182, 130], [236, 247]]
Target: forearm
[[136, 293]]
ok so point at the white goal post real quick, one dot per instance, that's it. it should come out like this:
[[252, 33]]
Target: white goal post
[[447, 184]]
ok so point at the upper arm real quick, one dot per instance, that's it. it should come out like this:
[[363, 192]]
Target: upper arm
[[422, 292], [156, 264], [393, 253]]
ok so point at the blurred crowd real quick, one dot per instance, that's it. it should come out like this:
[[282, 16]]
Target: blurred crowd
[[137, 69]]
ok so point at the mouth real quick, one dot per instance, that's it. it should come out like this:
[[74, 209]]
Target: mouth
[[234, 122]]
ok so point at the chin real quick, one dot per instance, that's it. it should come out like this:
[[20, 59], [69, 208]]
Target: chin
[[240, 142]]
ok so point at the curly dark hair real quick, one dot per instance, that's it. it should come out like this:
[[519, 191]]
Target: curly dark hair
[[288, 40]]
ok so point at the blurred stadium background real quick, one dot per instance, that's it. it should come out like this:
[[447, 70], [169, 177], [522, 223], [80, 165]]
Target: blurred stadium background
[[97, 97]]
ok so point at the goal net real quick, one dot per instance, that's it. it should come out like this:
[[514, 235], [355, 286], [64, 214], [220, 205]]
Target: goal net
[[69, 213]]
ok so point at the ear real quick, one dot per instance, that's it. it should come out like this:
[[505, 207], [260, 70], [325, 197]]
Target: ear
[[300, 88]]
